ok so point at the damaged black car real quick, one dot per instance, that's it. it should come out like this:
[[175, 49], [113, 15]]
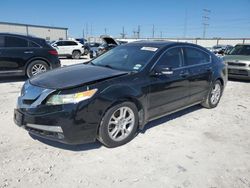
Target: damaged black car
[[113, 97]]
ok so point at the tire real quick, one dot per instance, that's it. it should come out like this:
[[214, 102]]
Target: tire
[[213, 97], [76, 54], [117, 128], [36, 67]]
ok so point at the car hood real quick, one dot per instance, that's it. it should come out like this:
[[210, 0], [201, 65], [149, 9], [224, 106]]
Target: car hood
[[73, 76], [109, 40], [236, 58]]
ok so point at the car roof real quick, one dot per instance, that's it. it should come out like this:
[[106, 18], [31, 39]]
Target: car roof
[[159, 43], [20, 35]]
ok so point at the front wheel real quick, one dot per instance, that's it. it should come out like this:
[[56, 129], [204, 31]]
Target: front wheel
[[214, 95], [119, 125]]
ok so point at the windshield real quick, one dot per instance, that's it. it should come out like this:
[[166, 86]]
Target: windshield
[[126, 58], [240, 50]]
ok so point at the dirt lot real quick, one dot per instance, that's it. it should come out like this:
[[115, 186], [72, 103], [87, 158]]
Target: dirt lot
[[192, 148]]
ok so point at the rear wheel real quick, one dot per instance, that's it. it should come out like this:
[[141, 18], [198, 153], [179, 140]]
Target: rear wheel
[[119, 125], [76, 54], [214, 95], [36, 67]]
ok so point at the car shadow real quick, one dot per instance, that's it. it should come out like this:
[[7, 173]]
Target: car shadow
[[66, 58], [167, 118], [9, 79], [79, 147]]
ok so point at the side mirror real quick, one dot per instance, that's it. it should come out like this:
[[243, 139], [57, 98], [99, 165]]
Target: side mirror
[[162, 70], [54, 45]]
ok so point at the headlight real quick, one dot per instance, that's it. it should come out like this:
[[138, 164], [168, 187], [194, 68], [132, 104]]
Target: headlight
[[57, 99]]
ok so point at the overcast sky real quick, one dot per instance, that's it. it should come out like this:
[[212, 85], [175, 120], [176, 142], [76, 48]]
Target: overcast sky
[[173, 18]]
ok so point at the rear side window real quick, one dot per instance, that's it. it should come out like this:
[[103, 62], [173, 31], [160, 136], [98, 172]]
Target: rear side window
[[1, 41], [60, 43], [15, 42], [195, 56], [34, 45], [70, 43], [171, 58]]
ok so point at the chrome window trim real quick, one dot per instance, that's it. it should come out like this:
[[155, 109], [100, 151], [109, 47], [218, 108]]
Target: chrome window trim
[[183, 57]]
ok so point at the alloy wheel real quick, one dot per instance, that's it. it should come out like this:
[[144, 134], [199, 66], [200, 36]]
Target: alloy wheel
[[215, 94], [37, 69], [121, 124]]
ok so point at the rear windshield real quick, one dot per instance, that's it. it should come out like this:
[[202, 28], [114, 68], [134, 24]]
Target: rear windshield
[[240, 50]]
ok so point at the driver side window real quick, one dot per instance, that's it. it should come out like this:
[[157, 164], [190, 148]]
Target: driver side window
[[171, 58]]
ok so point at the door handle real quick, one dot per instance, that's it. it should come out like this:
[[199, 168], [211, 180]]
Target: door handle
[[209, 69], [184, 74], [28, 52]]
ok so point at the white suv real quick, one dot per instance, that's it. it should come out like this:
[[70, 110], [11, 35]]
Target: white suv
[[69, 48]]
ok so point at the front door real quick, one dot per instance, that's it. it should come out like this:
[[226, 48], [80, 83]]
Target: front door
[[168, 92]]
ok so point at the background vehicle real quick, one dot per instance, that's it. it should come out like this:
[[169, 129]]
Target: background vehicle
[[91, 48], [221, 49], [81, 40], [25, 55], [108, 43], [119, 92], [69, 48], [238, 61]]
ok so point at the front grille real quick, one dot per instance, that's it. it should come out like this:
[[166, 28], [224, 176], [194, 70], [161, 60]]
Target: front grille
[[236, 64], [238, 72]]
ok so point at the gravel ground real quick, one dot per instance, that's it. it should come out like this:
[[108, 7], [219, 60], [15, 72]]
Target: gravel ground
[[196, 147]]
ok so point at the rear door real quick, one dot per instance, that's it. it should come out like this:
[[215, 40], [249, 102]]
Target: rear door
[[168, 93], [60, 47], [70, 46], [199, 65], [14, 54]]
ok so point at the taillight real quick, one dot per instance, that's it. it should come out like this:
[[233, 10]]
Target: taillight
[[53, 52]]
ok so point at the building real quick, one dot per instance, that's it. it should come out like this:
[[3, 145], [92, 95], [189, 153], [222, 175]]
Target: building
[[47, 32]]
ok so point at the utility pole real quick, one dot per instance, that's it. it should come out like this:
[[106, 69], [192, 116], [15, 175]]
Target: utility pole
[[83, 34], [87, 30], [185, 25], [123, 35], [153, 31], [138, 31], [205, 20], [161, 34], [105, 31]]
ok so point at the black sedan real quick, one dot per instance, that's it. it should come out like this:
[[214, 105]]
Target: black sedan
[[116, 94], [25, 55]]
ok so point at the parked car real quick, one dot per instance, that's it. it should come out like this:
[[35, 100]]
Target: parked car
[[117, 93], [81, 40], [108, 44], [221, 50], [91, 48], [69, 48], [25, 55], [238, 61]]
